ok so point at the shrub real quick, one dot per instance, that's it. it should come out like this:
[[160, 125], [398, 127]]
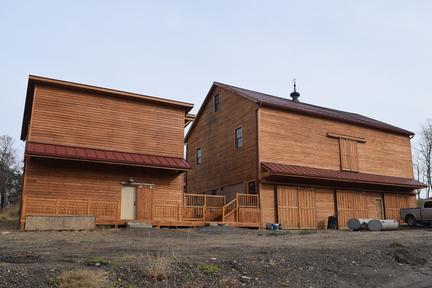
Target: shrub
[[158, 267]]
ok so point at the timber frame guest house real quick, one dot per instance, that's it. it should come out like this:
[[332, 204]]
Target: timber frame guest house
[[251, 159]]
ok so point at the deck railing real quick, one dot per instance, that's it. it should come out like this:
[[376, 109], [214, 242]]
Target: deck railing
[[102, 210], [247, 200]]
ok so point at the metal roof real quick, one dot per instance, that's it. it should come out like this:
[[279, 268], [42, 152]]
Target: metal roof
[[304, 108], [105, 156], [336, 175]]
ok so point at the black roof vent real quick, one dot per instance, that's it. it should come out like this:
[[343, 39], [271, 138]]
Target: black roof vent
[[295, 95]]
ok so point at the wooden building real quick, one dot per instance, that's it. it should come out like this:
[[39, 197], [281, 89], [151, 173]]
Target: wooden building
[[115, 155], [304, 162]]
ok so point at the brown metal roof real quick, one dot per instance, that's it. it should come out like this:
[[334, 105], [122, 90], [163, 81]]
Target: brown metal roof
[[304, 108], [336, 175], [106, 156], [33, 80]]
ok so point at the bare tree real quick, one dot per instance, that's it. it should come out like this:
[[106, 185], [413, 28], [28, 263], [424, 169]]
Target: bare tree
[[9, 169], [419, 173], [425, 154]]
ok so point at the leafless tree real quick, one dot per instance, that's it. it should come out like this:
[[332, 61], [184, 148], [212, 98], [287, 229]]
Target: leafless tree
[[419, 172], [10, 169], [425, 154]]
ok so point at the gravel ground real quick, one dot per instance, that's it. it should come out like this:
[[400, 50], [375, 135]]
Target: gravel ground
[[220, 257]]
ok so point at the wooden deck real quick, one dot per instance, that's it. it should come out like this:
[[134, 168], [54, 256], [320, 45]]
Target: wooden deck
[[197, 210]]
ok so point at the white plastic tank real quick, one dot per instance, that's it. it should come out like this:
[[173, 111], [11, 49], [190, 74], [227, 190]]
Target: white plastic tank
[[383, 225]]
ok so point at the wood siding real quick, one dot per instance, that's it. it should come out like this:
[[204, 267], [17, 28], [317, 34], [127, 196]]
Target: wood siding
[[309, 207], [296, 139], [222, 163], [268, 207], [68, 117], [70, 180]]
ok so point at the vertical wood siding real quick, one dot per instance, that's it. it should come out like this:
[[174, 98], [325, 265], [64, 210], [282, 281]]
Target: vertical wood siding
[[302, 140], [223, 164], [394, 202], [89, 120], [325, 206]]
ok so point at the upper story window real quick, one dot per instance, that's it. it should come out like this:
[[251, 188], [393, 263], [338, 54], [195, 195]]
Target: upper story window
[[198, 156], [217, 106], [238, 137]]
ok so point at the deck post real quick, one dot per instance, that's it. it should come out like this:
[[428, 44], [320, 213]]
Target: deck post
[[237, 208], [204, 208]]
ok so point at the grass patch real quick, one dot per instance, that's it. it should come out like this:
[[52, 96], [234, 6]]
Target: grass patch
[[209, 268], [79, 279], [158, 267], [98, 261]]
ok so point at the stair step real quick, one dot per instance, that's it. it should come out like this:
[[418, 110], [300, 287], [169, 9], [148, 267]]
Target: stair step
[[139, 225]]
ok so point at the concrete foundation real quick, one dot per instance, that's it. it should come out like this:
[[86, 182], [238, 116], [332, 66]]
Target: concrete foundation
[[46, 223]]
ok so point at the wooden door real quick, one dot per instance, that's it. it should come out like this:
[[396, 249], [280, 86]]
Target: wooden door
[[287, 199], [379, 208], [306, 206], [144, 203], [128, 203]]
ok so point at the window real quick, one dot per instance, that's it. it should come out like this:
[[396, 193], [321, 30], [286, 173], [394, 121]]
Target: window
[[251, 187], [428, 204], [217, 103], [238, 137], [198, 156], [348, 155]]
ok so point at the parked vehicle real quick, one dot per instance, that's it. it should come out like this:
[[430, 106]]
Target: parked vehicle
[[419, 215]]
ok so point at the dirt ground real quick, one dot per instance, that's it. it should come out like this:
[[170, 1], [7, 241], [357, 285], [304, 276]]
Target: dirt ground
[[219, 257]]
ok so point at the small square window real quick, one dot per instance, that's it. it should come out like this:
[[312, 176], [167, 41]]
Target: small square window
[[238, 137], [198, 156], [217, 103]]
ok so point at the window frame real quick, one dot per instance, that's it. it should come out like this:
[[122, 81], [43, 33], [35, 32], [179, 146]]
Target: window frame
[[238, 141], [216, 104], [198, 158]]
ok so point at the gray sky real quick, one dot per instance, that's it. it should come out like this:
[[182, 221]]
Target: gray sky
[[368, 57]]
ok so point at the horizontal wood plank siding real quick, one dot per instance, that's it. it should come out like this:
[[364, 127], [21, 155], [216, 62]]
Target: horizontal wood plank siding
[[74, 118], [296, 139], [223, 164], [69, 180]]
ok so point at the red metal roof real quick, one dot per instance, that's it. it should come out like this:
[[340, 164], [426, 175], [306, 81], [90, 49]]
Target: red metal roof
[[336, 175], [106, 156], [304, 108]]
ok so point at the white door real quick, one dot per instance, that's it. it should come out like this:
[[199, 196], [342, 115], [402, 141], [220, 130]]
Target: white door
[[128, 202]]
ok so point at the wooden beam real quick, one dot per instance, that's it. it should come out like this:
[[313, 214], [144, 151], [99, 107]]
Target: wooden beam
[[354, 138]]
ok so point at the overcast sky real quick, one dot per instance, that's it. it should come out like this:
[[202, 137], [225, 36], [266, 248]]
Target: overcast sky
[[369, 57]]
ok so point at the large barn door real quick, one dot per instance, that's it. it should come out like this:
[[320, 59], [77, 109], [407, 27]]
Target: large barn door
[[307, 211], [128, 203], [351, 204], [296, 207], [287, 199]]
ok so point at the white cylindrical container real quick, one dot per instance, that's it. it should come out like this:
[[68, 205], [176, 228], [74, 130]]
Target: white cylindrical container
[[383, 225], [356, 224]]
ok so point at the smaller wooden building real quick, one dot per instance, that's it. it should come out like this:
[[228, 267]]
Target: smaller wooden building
[[95, 151]]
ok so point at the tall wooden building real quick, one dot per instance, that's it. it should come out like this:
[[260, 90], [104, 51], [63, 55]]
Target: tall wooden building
[[115, 155], [306, 162]]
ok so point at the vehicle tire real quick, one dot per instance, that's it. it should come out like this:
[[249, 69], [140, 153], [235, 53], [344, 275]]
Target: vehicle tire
[[411, 221]]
